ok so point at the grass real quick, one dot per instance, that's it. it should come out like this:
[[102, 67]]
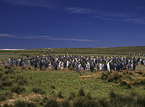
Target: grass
[[89, 86], [33, 86]]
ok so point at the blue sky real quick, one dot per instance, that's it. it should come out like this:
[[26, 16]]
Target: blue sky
[[30, 24]]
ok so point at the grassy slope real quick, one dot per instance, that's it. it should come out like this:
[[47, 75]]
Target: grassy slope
[[70, 81], [111, 50], [67, 82]]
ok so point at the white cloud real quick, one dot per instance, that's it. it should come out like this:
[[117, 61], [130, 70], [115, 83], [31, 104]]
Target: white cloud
[[32, 3], [44, 37], [78, 10], [135, 20], [5, 35], [121, 17]]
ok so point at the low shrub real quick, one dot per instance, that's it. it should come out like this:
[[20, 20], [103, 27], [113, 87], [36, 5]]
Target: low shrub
[[22, 82], [139, 72], [122, 83], [7, 83], [1, 87], [1, 75], [140, 101], [51, 103], [112, 94], [129, 86], [4, 78], [64, 103], [83, 102], [70, 96], [88, 96], [9, 71], [81, 92], [141, 82], [104, 76], [7, 67], [59, 94], [19, 77], [52, 87], [102, 103], [38, 90], [25, 104], [8, 94], [18, 89], [117, 100], [2, 98]]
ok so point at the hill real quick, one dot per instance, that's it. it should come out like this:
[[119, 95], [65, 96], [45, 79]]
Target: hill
[[104, 50]]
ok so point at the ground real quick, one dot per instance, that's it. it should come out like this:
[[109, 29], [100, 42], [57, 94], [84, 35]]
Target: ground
[[36, 85]]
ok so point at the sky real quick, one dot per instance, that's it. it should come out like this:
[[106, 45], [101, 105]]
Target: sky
[[28, 24]]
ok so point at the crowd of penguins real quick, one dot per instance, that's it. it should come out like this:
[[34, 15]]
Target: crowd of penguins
[[77, 63]]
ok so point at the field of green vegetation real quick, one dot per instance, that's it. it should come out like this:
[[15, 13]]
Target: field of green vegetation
[[86, 51], [62, 88]]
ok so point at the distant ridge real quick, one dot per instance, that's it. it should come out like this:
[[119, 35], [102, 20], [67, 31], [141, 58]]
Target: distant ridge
[[12, 49]]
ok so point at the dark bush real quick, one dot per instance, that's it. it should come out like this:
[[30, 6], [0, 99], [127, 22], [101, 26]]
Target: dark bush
[[130, 73], [59, 95], [128, 86], [142, 82], [24, 104], [19, 77], [104, 76], [7, 83], [88, 96], [1, 75], [133, 94], [7, 67], [116, 76], [1, 87], [140, 101], [70, 96], [110, 79], [112, 94], [65, 104], [22, 82], [123, 83], [139, 72], [8, 94], [51, 103], [83, 102], [18, 89], [52, 87], [129, 77], [122, 100], [2, 98], [103, 103], [38, 90], [124, 73], [9, 71], [43, 100], [4, 78], [81, 92]]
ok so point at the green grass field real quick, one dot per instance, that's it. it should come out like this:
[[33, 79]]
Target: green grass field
[[33, 86]]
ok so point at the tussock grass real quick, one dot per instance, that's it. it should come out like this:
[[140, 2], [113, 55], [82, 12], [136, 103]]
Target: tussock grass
[[51, 103], [38, 90], [64, 103], [59, 94], [2, 98], [52, 87], [7, 83], [81, 92], [24, 104], [18, 89]]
